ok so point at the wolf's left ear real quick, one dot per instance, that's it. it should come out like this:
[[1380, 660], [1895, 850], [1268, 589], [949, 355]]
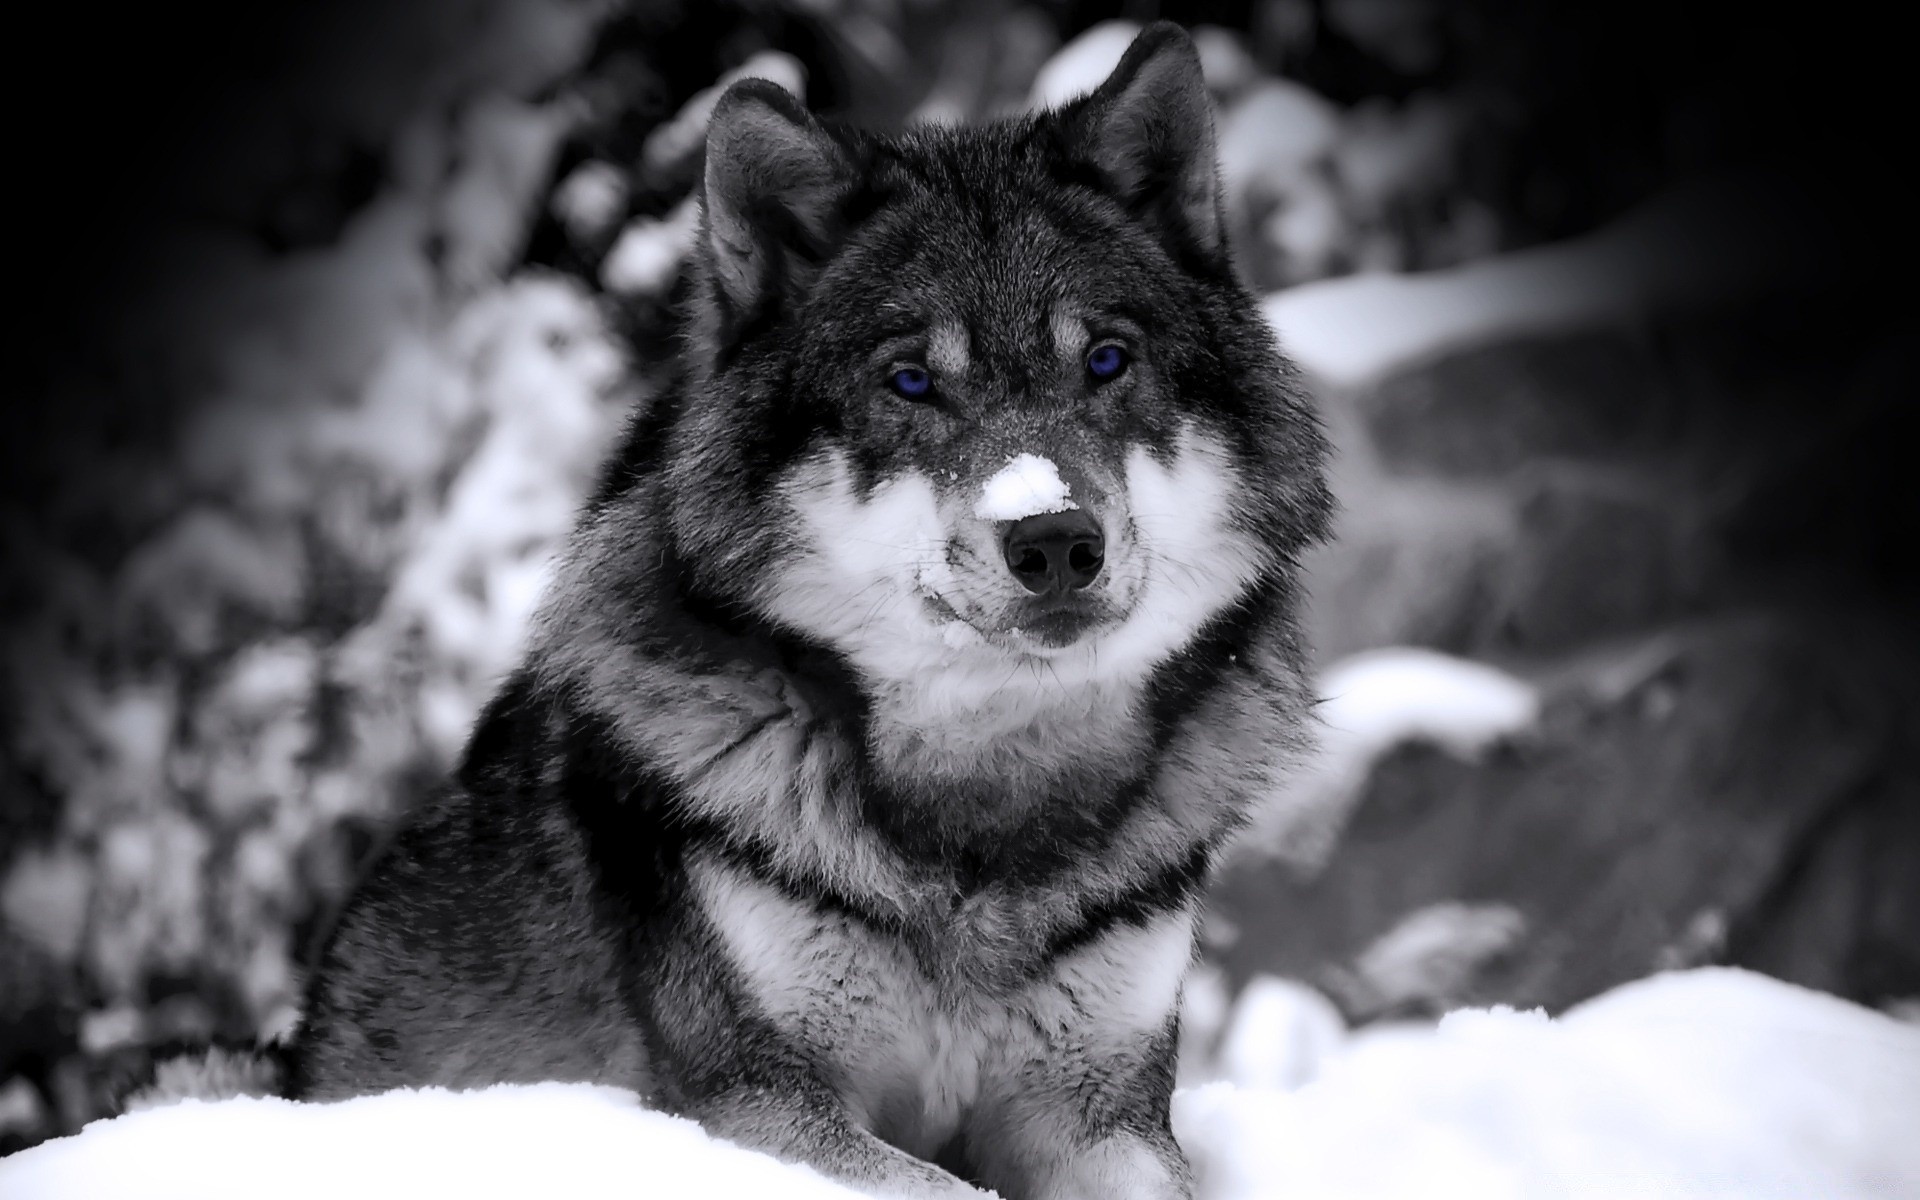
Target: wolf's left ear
[[774, 181], [1149, 131]]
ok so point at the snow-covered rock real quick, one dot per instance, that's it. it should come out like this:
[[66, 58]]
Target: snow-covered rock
[[1696, 245], [1377, 699], [1370, 703]]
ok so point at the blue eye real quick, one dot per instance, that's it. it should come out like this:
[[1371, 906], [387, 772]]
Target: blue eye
[[911, 382], [1106, 361]]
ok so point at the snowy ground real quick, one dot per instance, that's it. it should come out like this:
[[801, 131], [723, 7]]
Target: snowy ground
[[442, 416], [1703, 1083]]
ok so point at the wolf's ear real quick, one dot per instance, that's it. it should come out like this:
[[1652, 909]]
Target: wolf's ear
[[774, 180], [1149, 131]]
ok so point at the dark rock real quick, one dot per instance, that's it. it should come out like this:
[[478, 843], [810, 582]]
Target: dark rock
[[1845, 916], [38, 1001], [1781, 376], [1839, 501], [1596, 553], [1491, 409], [1412, 564], [1535, 495], [1559, 554]]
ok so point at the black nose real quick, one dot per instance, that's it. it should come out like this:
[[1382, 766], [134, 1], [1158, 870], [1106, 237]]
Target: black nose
[[1055, 553]]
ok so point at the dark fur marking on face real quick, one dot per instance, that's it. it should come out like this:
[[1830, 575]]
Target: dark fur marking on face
[[1185, 680], [702, 626]]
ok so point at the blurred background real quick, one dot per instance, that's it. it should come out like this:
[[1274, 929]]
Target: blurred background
[[331, 312]]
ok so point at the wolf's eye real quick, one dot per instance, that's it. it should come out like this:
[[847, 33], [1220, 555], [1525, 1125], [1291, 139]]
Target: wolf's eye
[[1106, 361], [912, 382]]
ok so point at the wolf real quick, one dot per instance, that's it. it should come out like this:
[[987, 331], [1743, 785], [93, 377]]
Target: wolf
[[922, 645]]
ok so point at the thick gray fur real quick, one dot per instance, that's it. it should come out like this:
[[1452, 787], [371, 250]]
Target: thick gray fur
[[800, 817]]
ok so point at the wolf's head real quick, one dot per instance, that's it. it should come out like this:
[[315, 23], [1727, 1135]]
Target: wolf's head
[[985, 410]]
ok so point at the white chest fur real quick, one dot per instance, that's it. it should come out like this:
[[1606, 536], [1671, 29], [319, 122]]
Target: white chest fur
[[914, 1060]]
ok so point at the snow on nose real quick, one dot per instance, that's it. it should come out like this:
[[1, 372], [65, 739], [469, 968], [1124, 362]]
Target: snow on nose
[[1026, 487]]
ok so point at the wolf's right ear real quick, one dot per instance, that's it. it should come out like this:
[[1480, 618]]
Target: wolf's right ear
[[774, 181], [1148, 130]]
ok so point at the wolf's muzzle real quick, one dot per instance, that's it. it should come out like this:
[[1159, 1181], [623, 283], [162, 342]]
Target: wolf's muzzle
[[1055, 553]]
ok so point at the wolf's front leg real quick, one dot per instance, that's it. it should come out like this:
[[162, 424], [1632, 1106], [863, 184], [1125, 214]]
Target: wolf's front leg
[[814, 1129], [1118, 1164], [1125, 1165], [1088, 1128]]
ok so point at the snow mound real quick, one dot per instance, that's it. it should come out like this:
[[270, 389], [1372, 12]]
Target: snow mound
[[1280, 1034], [1711, 1082], [550, 1139]]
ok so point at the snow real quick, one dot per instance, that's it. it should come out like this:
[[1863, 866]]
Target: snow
[[1083, 64], [1700, 243], [505, 151], [1390, 153], [1224, 60], [202, 566], [590, 198], [1280, 1034], [1311, 230], [1277, 132], [1380, 698], [1711, 1082], [645, 259], [1026, 487], [21, 1109], [545, 379], [674, 144], [568, 1140], [44, 898]]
